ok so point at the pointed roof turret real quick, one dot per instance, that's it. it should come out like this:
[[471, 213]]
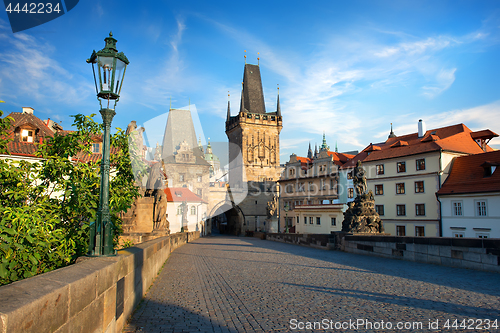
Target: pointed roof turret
[[336, 148], [278, 107], [315, 150], [228, 108], [324, 146], [309, 152], [252, 97], [391, 135]]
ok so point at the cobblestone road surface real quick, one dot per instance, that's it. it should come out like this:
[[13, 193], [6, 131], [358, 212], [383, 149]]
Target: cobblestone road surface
[[230, 284]]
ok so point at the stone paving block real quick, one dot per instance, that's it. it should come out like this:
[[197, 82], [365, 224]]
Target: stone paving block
[[232, 284]]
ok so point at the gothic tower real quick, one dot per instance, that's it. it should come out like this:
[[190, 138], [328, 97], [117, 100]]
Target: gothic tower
[[254, 133]]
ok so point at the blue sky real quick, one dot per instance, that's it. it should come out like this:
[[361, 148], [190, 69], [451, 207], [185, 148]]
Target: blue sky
[[348, 69]]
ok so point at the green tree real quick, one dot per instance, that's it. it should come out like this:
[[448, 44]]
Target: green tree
[[46, 207]]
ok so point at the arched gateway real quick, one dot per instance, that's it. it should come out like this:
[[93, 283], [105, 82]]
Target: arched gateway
[[226, 218]]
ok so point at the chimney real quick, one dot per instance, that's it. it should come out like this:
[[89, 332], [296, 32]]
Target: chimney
[[28, 110], [421, 128]]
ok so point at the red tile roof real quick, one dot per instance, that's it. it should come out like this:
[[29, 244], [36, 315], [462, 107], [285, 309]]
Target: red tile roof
[[456, 138], [30, 119], [467, 175], [22, 148], [180, 194]]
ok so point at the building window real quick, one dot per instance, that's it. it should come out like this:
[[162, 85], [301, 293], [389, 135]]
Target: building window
[[380, 169], [300, 187], [379, 209], [400, 188], [181, 178], [401, 210], [456, 207], [350, 193], [311, 186], [311, 220], [292, 172], [318, 220], [401, 166], [27, 135], [179, 210], [400, 230], [298, 219], [482, 235], [95, 148], [420, 231], [349, 175], [193, 210], [334, 221], [332, 184], [379, 189], [199, 179], [305, 220], [481, 208], [419, 186], [289, 188], [420, 164], [458, 234], [420, 209], [199, 192]]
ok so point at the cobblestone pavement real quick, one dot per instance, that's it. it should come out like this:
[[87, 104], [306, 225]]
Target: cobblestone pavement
[[231, 284]]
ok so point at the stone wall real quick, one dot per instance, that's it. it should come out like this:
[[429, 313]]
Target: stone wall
[[94, 295], [321, 241], [473, 253]]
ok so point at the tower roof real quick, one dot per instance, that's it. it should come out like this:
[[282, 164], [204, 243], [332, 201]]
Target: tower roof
[[252, 96], [179, 128]]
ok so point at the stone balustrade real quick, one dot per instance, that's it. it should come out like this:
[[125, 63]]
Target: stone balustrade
[[93, 295]]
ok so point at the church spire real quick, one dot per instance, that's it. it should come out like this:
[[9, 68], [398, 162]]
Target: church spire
[[242, 104], [228, 108], [278, 108], [336, 148], [315, 150], [324, 146], [309, 151], [391, 135]]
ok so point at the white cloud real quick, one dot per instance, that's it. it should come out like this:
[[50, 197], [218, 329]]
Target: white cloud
[[477, 118], [443, 80], [27, 68]]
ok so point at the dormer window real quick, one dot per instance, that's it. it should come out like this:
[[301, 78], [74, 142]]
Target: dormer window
[[27, 135], [489, 168], [96, 148]]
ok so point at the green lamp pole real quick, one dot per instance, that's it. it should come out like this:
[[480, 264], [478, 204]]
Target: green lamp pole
[[110, 65]]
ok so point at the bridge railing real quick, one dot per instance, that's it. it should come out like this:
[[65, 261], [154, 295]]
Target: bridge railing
[[94, 295]]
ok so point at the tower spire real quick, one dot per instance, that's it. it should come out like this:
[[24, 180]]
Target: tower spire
[[324, 145], [278, 108], [309, 151], [336, 148], [228, 108], [391, 135]]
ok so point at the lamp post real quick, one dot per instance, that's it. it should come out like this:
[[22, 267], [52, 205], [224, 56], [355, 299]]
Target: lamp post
[[110, 65]]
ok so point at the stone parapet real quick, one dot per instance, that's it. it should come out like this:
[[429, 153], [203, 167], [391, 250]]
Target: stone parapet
[[473, 253], [94, 295]]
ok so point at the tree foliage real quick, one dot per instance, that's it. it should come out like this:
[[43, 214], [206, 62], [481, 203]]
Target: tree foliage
[[46, 207]]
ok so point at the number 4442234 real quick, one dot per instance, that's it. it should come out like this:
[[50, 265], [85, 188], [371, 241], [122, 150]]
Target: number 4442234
[[478, 324], [33, 8]]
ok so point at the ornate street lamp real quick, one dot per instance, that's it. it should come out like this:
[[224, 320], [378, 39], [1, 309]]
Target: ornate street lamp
[[110, 66]]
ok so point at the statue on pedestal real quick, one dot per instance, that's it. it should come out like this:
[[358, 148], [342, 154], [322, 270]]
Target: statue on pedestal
[[361, 216]]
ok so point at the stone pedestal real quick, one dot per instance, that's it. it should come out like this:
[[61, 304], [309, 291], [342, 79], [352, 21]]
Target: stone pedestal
[[361, 216], [272, 224], [139, 218]]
